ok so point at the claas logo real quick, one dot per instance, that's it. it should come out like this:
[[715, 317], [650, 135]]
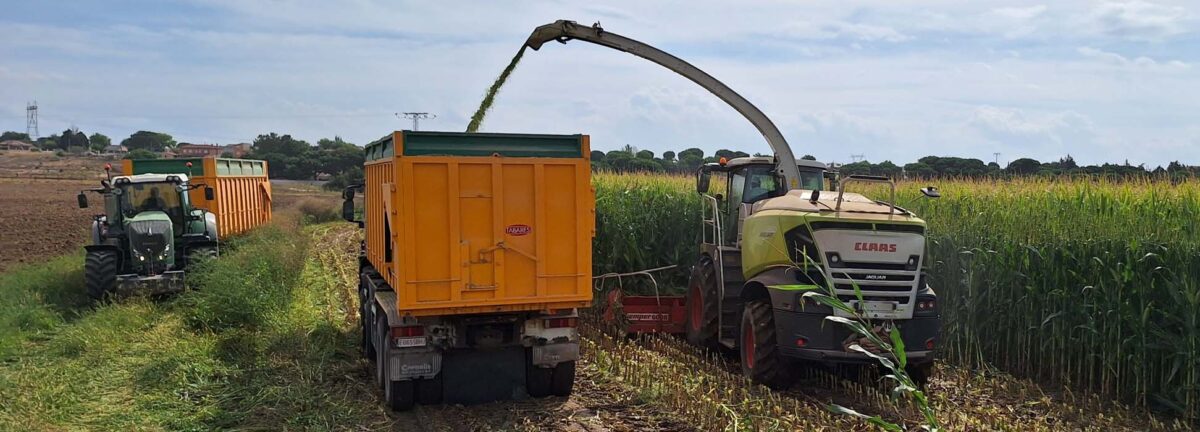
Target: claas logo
[[875, 247]]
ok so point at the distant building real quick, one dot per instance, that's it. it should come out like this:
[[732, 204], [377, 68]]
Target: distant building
[[237, 150], [115, 149], [167, 154], [15, 145], [197, 150]]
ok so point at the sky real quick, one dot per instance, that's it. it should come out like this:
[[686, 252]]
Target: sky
[[1102, 81]]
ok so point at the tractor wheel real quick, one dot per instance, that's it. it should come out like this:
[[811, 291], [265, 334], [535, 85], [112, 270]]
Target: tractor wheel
[[759, 352], [201, 254], [564, 379], [538, 380], [100, 273], [701, 303]]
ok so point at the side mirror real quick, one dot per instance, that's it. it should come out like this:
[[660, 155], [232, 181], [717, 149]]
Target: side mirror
[[702, 179], [348, 193], [815, 196], [931, 192], [82, 200], [210, 194]]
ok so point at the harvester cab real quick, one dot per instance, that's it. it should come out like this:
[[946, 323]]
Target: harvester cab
[[149, 232]]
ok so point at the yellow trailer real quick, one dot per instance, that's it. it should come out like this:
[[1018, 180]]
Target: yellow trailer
[[477, 256]]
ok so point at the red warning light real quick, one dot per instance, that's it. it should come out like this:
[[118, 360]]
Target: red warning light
[[189, 164]]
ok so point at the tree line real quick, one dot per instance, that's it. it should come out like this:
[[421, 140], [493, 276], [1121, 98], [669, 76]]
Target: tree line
[[630, 159]]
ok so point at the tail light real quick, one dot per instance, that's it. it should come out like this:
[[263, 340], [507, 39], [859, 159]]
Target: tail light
[[926, 306], [801, 342], [408, 331], [408, 336], [560, 322], [929, 344]]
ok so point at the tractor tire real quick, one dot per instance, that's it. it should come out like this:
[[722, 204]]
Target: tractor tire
[[701, 303], [429, 391], [201, 254], [100, 273], [538, 380], [758, 349], [563, 380]]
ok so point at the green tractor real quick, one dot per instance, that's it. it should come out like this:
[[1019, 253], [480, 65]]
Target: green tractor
[[764, 245], [148, 234]]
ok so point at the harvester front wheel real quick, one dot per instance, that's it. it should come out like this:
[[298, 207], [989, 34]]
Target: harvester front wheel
[[701, 304], [100, 273], [759, 353]]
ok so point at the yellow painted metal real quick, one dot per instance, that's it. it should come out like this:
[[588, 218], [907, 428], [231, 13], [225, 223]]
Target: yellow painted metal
[[477, 234], [243, 194]]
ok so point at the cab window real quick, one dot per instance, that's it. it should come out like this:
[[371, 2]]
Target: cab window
[[757, 183]]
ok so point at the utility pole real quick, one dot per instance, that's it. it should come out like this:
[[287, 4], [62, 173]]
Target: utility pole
[[997, 155], [31, 126], [416, 117]]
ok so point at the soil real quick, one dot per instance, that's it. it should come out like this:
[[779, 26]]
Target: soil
[[40, 219]]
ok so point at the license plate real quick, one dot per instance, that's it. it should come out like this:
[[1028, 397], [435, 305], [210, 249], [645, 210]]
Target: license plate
[[410, 342], [877, 306]]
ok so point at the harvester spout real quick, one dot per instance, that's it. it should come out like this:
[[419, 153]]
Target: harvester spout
[[563, 31]]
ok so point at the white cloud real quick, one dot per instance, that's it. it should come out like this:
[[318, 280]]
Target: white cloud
[[1138, 62], [821, 30], [1138, 20]]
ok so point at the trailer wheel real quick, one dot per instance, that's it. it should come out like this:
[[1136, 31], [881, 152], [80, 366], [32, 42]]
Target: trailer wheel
[[701, 303], [759, 352], [538, 380], [100, 273], [380, 345], [564, 379], [400, 395], [429, 391], [920, 374]]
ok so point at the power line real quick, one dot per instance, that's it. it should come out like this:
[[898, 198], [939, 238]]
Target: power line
[[416, 117]]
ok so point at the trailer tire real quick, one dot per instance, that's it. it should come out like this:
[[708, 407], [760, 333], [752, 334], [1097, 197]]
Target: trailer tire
[[429, 391], [564, 379], [100, 273], [920, 374], [701, 303], [400, 395], [538, 380], [380, 345], [758, 349]]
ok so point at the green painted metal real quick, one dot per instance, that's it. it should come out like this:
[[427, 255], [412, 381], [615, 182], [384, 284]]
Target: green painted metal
[[240, 167], [168, 166], [488, 144]]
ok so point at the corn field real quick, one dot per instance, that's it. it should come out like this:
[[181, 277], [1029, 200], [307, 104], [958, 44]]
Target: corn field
[[1094, 285]]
